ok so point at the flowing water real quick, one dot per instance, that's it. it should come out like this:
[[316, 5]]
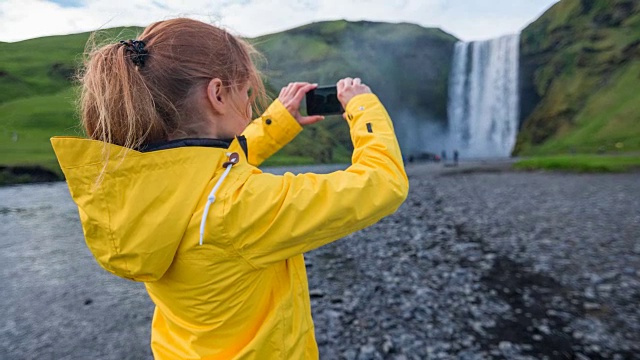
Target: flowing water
[[483, 97]]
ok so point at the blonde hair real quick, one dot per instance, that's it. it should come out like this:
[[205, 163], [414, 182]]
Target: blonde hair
[[134, 105]]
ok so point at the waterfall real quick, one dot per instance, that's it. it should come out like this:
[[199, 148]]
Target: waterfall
[[483, 97]]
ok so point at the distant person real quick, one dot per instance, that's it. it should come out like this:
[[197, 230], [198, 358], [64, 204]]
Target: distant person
[[443, 155], [169, 193], [455, 157]]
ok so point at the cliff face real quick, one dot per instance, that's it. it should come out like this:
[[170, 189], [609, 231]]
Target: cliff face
[[406, 65], [579, 78]]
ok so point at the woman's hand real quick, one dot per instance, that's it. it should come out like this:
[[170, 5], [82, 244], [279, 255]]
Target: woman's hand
[[291, 97], [348, 88]]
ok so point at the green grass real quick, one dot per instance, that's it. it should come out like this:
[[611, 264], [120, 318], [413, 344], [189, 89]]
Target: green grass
[[291, 160], [581, 163], [46, 65], [27, 124], [286, 160]]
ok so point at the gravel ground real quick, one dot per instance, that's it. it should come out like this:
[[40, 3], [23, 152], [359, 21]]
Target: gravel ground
[[479, 263], [488, 264]]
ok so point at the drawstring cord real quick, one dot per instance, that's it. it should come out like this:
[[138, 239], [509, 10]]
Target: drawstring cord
[[233, 159]]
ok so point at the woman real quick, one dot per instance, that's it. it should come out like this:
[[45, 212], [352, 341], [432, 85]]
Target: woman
[[169, 193]]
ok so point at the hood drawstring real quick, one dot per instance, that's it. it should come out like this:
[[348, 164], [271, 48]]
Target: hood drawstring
[[233, 159]]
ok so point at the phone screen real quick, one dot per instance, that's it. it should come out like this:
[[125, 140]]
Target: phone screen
[[323, 100]]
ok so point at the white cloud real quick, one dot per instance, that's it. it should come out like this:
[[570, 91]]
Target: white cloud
[[466, 19]]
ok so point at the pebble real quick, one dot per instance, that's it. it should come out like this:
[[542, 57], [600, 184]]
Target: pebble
[[387, 346], [316, 293], [605, 288], [589, 306], [589, 293], [368, 352], [505, 346], [544, 329], [350, 354]]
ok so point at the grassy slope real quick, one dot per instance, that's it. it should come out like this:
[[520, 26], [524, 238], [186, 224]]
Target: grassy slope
[[45, 65], [28, 123], [587, 75], [36, 95]]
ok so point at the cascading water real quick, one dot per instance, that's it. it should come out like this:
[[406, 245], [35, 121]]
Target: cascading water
[[483, 97]]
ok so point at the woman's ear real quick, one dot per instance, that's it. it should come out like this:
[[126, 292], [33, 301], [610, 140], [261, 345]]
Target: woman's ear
[[215, 96]]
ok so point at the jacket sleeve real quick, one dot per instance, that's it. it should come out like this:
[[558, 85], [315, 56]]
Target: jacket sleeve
[[272, 218], [270, 132]]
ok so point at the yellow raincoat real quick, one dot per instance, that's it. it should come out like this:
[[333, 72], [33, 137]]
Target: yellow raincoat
[[243, 293]]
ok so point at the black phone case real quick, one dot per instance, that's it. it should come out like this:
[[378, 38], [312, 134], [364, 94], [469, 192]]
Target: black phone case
[[323, 100]]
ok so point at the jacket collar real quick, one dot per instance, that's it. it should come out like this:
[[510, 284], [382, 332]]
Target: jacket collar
[[202, 142], [172, 144]]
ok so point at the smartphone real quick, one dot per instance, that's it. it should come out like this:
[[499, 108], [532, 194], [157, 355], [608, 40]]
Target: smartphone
[[323, 100]]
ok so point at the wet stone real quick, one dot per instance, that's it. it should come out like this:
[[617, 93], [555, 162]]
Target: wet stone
[[316, 293], [605, 288], [589, 306], [368, 352]]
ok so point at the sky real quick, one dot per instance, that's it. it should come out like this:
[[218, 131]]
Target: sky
[[466, 19]]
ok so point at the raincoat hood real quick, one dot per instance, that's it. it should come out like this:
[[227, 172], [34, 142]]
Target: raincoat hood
[[134, 215]]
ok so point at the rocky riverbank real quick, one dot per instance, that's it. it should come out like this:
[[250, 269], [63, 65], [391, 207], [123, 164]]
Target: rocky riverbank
[[482, 264], [488, 265], [25, 174]]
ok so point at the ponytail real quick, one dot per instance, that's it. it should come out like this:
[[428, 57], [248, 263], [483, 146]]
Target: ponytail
[[139, 92], [117, 106]]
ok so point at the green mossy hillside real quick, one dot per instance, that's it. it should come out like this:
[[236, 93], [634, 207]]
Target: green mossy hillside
[[406, 65], [37, 94], [580, 79], [46, 65]]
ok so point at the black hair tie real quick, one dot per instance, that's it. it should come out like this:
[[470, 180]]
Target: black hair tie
[[136, 51]]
